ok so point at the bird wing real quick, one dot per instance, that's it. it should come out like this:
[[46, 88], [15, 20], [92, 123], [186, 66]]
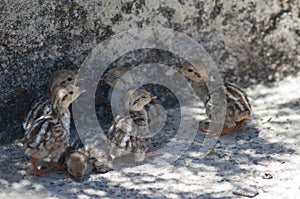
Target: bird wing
[[41, 107]]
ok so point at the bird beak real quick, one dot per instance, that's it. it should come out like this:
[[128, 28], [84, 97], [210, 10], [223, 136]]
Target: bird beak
[[78, 179], [177, 68], [78, 80], [102, 79], [154, 97], [83, 91]]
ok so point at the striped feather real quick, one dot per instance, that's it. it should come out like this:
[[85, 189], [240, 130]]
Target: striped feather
[[125, 137], [46, 138], [41, 107], [238, 105], [239, 96]]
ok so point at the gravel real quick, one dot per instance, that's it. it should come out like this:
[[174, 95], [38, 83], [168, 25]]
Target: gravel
[[259, 159]]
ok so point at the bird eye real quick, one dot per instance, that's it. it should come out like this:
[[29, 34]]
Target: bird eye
[[143, 97], [69, 79], [71, 92], [190, 70]]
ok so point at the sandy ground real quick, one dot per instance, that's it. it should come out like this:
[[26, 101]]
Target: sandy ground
[[260, 159]]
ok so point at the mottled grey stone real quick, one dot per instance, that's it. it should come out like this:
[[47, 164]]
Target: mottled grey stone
[[250, 41]]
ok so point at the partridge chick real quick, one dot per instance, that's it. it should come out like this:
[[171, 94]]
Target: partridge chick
[[78, 159], [42, 105], [48, 136], [99, 160], [155, 112], [76, 164], [130, 133], [238, 105], [74, 160], [60, 78], [115, 74]]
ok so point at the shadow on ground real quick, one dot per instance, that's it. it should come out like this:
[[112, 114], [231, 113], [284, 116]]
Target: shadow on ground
[[260, 157]]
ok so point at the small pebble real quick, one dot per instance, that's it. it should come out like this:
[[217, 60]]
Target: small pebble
[[250, 192], [75, 15], [267, 176]]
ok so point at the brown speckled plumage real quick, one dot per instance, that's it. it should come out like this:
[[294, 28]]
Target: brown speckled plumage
[[48, 136], [155, 112], [99, 160], [238, 105], [115, 74], [41, 106], [74, 160], [130, 133]]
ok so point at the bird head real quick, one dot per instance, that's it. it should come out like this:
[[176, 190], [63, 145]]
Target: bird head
[[63, 96], [190, 71], [115, 74], [61, 78], [139, 98], [76, 165]]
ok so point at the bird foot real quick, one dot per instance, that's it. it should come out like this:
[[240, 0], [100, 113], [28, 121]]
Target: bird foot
[[151, 154], [213, 150], [59, 167], [212, 134], [148, 155], [36, 171], [39, 173]]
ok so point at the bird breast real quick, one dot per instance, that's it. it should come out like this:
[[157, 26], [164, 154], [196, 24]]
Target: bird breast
[[46, 138]]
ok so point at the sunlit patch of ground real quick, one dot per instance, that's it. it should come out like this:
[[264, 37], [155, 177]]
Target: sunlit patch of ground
[[261, 157]]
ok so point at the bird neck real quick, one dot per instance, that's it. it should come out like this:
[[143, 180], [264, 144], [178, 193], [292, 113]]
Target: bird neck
[[201, 89], [140, 118], [61, 113]]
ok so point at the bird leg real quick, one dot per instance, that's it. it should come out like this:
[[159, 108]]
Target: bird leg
[[213, 150], [141, 157], [59, 167], [36, 171], [242, 122], [227, 130], [151, 154], [223, 132]]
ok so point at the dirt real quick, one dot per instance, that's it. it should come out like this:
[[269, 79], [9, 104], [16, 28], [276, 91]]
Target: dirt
[[259, 159], [252, 42]]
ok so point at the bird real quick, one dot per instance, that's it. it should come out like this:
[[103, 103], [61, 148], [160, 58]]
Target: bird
[[157, 115], [129, 132], [115, 74], [77, 159], [99, 159], [41, 106], [74, 160], [61, 77], [238, 105], [48, 136], [155, 112], [76, 164], [114, 79]]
